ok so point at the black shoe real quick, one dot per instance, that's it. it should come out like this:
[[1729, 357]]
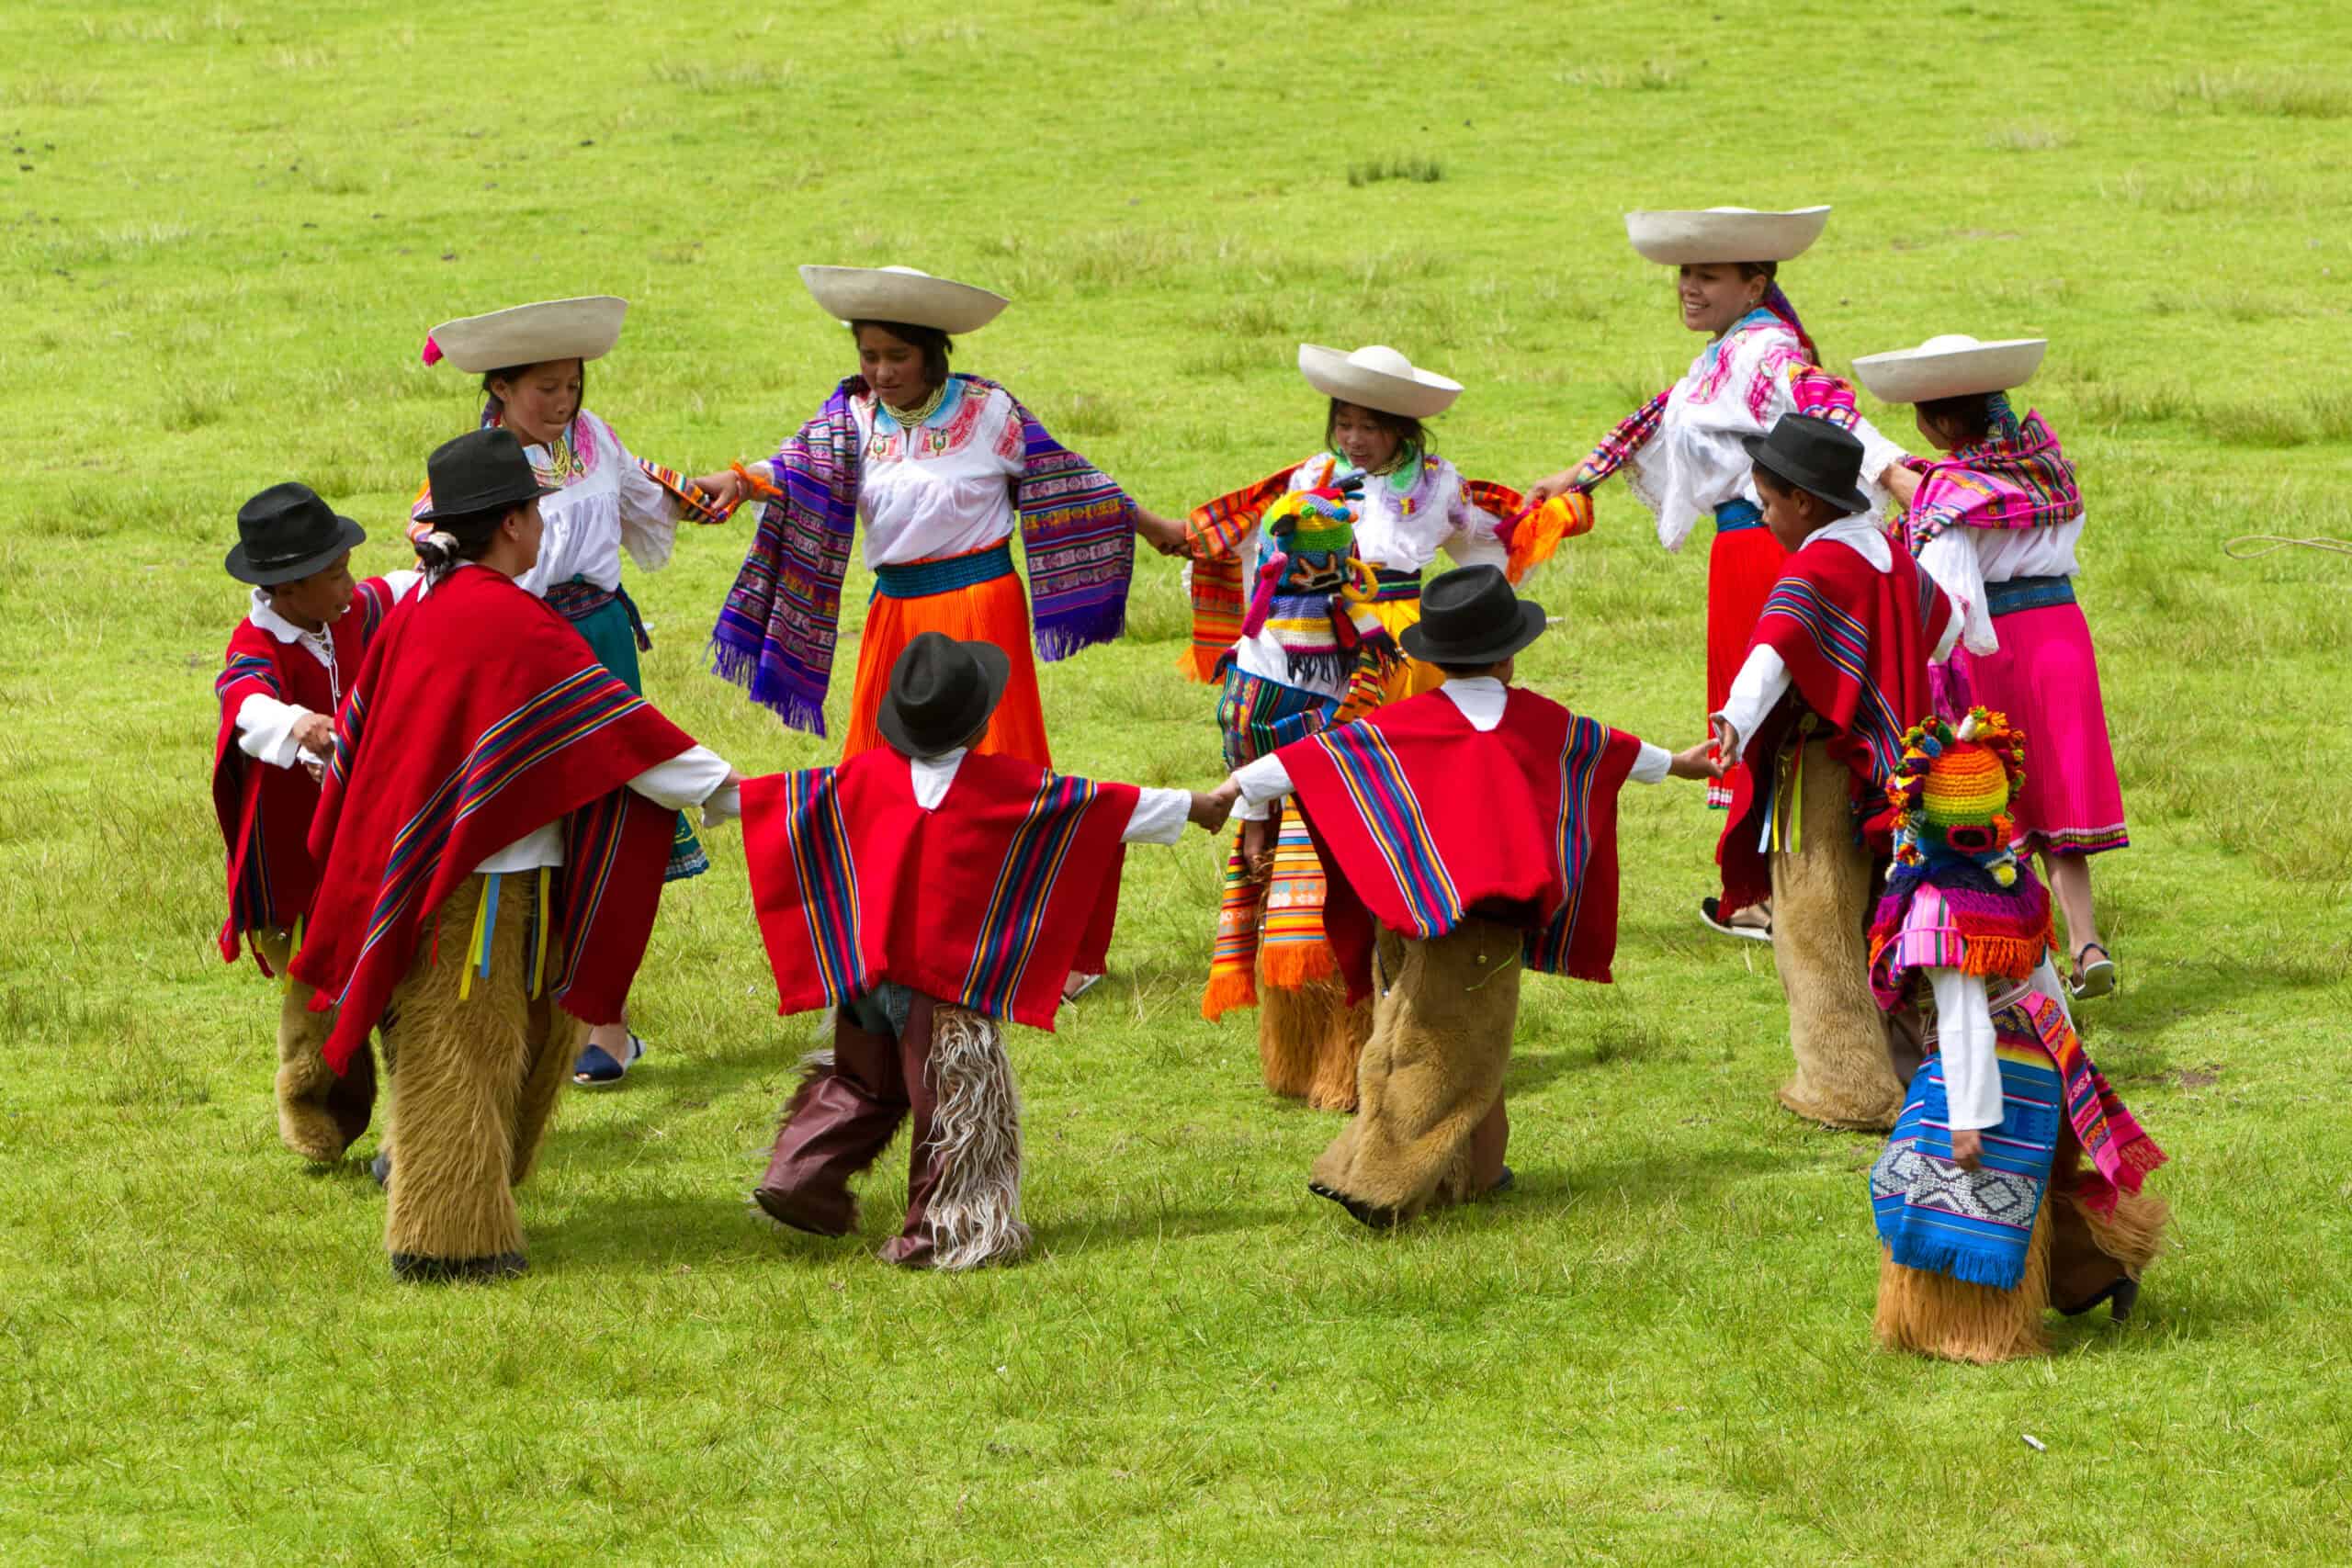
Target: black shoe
[[2120, 1298], [417, 1268], [1365, 1214], [380, 1167], [1504, 1182]]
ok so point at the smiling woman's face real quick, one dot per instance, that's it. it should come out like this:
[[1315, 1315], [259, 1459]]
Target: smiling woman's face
[[1714, 295]]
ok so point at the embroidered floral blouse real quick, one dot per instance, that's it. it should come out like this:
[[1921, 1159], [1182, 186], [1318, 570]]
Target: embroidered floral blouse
[[607, 503], [944, 489]]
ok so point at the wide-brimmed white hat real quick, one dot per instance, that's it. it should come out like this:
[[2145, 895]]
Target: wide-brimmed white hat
[[1376, 378], [585, 328], [902, 294], [1952, 366], [1724, 234]]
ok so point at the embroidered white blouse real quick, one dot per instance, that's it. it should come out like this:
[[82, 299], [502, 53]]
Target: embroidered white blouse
[[946, 492], [607, 503], [1400, 532], [1738, 385]]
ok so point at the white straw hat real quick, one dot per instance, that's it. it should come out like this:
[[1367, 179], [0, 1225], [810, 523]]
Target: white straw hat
[[1724, 234], [902, 294], [1376, 378], [585, 328], [1952, 366]]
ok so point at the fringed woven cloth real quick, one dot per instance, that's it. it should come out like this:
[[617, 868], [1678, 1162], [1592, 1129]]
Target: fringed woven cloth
[[2018, 478], [1954, 916], [777, 633]]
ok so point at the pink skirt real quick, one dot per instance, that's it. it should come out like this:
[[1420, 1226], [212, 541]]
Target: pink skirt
[[2045, 677]]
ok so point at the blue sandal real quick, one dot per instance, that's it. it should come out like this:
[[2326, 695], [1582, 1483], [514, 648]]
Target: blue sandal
[[596, 1069]]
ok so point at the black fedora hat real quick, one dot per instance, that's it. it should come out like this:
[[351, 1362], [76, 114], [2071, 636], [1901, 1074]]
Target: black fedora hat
[[481, 470], [941, 691], [1815, 455], [1469, 615], [286, 533]]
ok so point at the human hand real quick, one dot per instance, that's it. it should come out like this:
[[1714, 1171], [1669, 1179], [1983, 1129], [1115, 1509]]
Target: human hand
[[1165, 534], [725, 488], [1544, 490], [314, 732], [1212, 808], [1726, 740], [1257, 845], [1697, 762], [1901, 481], [1967, 1149]]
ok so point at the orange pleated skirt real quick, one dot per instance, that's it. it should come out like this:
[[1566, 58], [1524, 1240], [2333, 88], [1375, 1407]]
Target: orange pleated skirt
[[995, 611]]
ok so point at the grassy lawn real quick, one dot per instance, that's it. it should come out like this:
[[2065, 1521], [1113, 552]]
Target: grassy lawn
[[224, 229]]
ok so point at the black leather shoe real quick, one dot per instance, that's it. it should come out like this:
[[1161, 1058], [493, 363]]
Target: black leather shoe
[[417, 1268]]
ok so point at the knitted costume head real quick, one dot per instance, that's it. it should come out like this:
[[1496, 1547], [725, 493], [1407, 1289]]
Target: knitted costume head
[[1312, 593], [1952, 795]]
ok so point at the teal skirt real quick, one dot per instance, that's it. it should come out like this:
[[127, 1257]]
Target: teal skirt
[[611, 633]]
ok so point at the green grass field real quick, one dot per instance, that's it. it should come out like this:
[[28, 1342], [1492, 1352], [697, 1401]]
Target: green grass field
[[224, 229]]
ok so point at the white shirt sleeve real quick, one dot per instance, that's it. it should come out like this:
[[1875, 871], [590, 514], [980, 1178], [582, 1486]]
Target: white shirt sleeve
[[1158, 818], [693, 777], [648, 513], [1762, 682], [1262, 783], [1965, 1039], [1653, 764], [1951, 561], [1879, 453], [1953, 625], [266, 730]]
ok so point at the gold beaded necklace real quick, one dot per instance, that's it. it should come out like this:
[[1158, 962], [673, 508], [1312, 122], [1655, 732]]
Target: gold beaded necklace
[[914, 418]]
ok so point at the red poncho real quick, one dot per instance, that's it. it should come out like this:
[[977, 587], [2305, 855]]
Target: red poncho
[[1856, 642], [265, 811], [989, 901], [480, 717], [1423, 819]]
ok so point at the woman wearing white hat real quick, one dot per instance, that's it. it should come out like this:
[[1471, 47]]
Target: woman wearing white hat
[[1995, 521], [943, 468], [1681, 450], [1405, 503], [533, 363]]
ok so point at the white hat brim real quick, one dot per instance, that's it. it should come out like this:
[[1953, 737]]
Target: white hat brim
[[1422, 395], [584, 328], [1675, 238], [1920, 375], [880, 294]]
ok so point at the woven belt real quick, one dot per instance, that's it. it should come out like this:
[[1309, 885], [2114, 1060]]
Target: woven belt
[[2027, 593], [1735, 516], [1391, 586], [923, 579], [576, 599]]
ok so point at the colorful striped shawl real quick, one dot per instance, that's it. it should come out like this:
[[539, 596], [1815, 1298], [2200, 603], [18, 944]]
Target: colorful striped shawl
[[1947, 915], [989, 901], [479, 717], [777, 632], [1532, 841], [1972, 1225], [2025, 483]]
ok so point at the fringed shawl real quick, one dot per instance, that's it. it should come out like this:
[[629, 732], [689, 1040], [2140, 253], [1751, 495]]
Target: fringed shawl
[[1952, 915], [777, 633], [2024, 483]]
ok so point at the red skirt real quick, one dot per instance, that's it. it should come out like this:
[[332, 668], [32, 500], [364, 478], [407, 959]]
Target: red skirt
[[2045, 677], [1742, 566]]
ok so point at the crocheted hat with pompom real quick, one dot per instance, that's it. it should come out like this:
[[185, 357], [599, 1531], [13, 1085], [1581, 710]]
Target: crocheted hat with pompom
[[1953, 791]]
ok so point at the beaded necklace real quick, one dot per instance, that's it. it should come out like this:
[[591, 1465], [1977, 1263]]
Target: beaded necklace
[[915, 417]]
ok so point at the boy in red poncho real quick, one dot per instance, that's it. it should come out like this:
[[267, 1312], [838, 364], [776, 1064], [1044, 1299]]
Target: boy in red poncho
[[281, 680], [497, 817], [928, 892], [1471, 831], [1837, 661]]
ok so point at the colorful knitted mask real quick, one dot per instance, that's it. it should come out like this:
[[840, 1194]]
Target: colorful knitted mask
[[1312, 593], [1951, 794]]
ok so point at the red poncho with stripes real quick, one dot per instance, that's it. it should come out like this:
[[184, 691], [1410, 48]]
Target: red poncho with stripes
[[265, 811], [1424, 819], [480, 717], [989, 901], [1856, 642]]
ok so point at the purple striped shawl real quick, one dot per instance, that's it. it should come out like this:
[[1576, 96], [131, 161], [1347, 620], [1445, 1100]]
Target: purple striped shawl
[[775, 634]]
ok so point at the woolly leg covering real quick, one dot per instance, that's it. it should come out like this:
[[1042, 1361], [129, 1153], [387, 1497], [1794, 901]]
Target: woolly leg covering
[[971, 1214], [473, 1079], [319, 1113], [2091, 1252], [1935, 1315], [1431, 1074], [1820, 918], [1309, 1041]]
